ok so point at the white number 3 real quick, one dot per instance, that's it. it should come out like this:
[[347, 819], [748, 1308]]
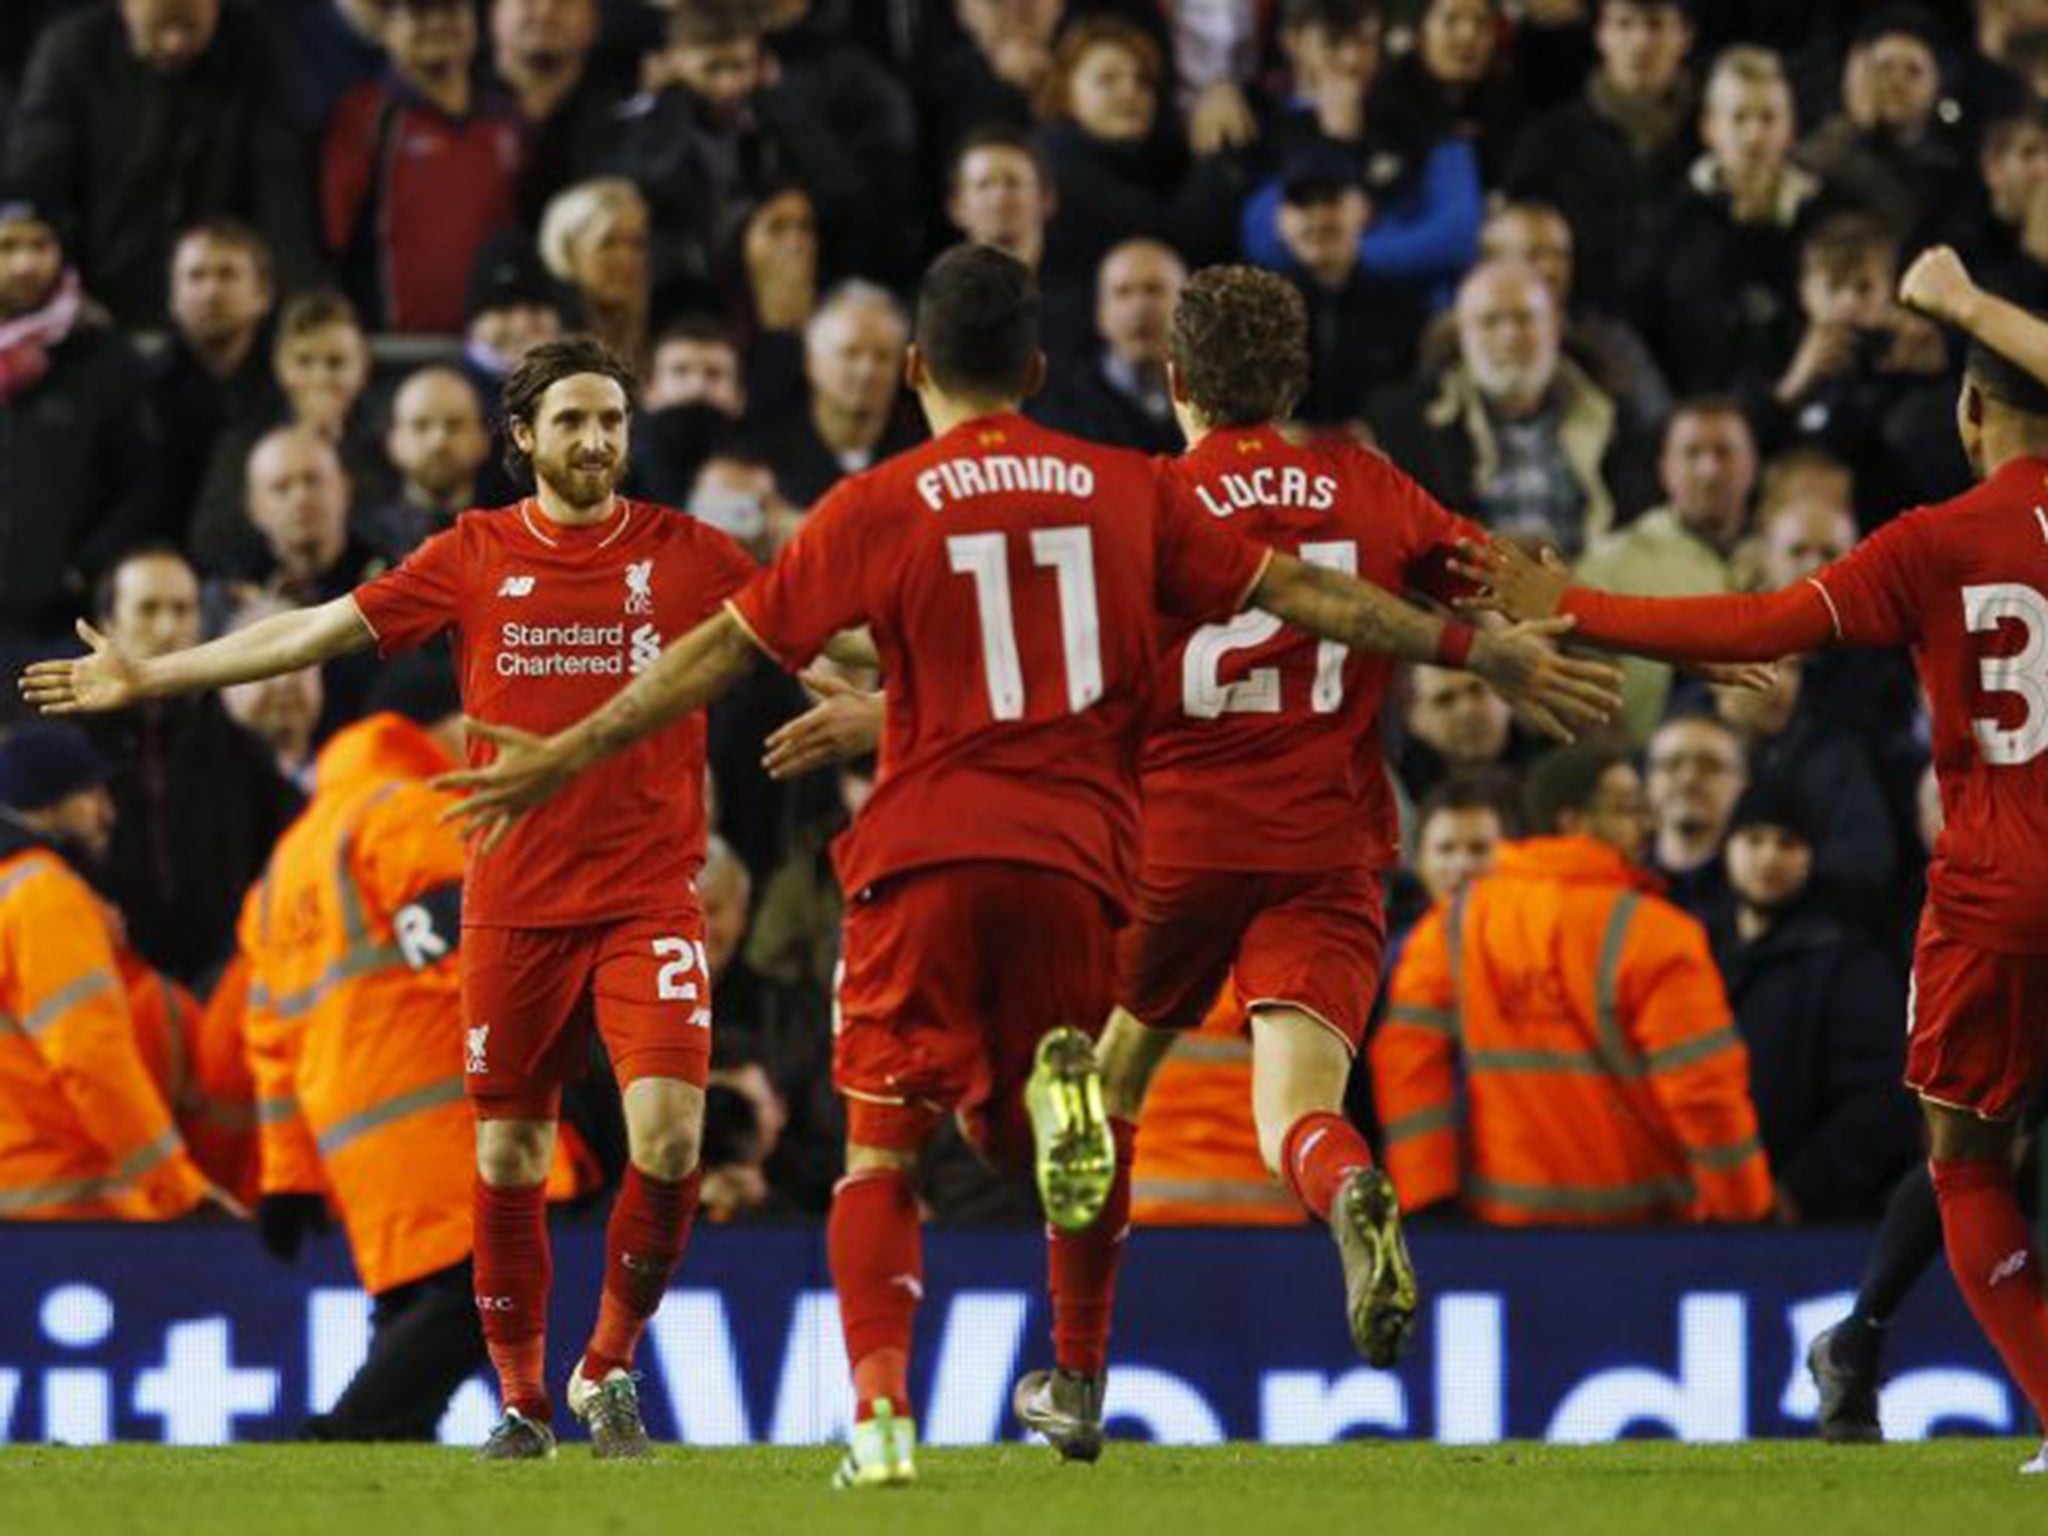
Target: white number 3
[[2022, 673], [675, 982]]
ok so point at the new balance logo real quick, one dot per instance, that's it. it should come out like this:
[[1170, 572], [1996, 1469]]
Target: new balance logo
[[475, 1041], [2006, 1268], [516, 586]]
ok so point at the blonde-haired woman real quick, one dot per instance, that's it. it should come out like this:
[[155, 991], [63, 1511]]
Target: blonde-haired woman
[[594, 237]]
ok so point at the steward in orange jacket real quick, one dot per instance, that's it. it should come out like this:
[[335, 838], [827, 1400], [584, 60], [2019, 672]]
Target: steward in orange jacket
[[1199, 1162], [84, 1131], [1559, 1046], [197, 1059], [355, 1039]]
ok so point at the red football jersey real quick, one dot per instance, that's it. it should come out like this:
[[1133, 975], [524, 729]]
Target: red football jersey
[[1264, 751], [1965, 584], [548, 623], [1013, 578]]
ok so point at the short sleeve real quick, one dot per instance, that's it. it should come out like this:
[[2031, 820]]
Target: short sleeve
[[1874, 591], [817, 586], [1205, 571], [413, 602]]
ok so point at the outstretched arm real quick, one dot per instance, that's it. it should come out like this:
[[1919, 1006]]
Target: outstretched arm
[[1561, 695], [1744, 628], [688, 675], [109, 678], [1939, 286]]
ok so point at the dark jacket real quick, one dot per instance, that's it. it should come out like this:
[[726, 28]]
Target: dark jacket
[[198, 804], [1823, 1012], [79, 454], [1108, 193], [805, 468], [194, 409], [1576, 159], [1087, 403], [1362, 338], [140, 155]]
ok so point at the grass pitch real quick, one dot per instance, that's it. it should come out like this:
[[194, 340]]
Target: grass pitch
[[1378, 1488]]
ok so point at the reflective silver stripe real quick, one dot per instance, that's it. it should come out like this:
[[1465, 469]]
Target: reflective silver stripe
[[1443, 1021], [443, 1090], [1214, 1192], [1455, 922], [62, 1001], [1621, 1199], [35, 866], [1613, 1044], [1573, 1063], [179, 1068], [1686, 1052], [354, 964], [1438, 1117], [1216, 1049], [276, 1111], [1722, 1159], [259, 995], [70, 1191]]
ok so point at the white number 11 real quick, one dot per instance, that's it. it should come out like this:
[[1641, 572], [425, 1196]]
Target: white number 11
[[1070, 553]]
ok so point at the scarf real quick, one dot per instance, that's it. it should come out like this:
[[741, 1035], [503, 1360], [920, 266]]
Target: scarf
[[1648, 126], [27, 340]]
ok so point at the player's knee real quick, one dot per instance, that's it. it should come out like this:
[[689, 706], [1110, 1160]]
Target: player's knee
[[513, 1154], [667, 1151]]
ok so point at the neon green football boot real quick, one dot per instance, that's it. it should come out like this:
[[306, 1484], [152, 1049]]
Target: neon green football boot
[[1076, 1160], [880, 1453]]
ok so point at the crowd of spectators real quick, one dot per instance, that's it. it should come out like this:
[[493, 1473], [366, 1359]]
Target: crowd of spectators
[[1612, 274]]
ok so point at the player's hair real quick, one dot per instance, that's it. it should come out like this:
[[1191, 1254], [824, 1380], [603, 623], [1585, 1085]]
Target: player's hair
[[998, 135], [315, 311], [713, 23], [1999, 378], [236, 235], [977, 322], [1566, 780], [1706, 405], [1331, 16], [1055, 96], [2003, 130], [1485, 789], [1240, 345], [1846, 241], [543, 368], [109, 579]]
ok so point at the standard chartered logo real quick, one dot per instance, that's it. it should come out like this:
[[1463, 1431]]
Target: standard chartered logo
[[575, 650]]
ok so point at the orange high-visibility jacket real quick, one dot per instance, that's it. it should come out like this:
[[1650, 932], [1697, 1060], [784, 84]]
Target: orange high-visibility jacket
[[84, 1131], [197, 1059], [1198, 1149], [1560, 1049], [353, 1025]]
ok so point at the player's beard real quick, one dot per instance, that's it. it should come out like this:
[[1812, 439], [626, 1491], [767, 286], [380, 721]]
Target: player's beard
[[579, 482]]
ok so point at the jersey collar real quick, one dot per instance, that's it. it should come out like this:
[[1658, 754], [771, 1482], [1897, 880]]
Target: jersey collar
[[607, 534]]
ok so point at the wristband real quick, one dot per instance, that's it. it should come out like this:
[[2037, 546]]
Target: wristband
[[1454, 644]]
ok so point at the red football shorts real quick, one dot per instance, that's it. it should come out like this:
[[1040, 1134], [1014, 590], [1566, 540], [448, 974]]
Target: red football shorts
[[949, 978], [1978, 1024], [531, 995], [1311, 940]]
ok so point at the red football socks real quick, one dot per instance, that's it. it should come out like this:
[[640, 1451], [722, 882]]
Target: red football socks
[[1082, 1270], [1318, 1154], [877, 1254], [513, 1271], [643, 1244], [1991, 1251]]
